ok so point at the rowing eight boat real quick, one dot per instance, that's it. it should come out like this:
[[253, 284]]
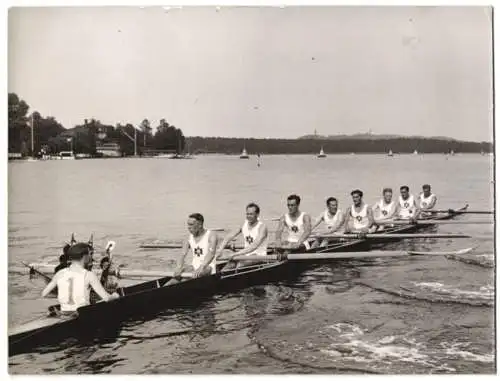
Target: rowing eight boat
[[152, 296]]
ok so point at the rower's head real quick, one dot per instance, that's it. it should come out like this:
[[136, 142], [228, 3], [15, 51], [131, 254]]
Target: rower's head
[[292, 203], [81, 253], [426, 188], [387, 193], [195, 223], [405, 191], [105, 262], [253, 212], [357, 197], [332, 204]]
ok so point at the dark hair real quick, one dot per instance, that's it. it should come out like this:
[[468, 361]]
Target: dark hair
[[78, 250], [104, 260], [255, 206], [426, 186], [387, 190], [294, 197], [404, 187], [63, 258], [197, 217], [357, 191], [329, 199]]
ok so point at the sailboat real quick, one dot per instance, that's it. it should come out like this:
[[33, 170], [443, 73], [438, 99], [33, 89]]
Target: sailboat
[[321, 153], [244, 154], [390, 153]]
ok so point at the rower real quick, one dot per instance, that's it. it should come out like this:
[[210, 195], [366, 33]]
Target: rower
[[359, 216], [408, 208], [202, 243], [297, 225], [75, 282], [255, 237], [386, 209], [333, 219], [108, 276], [427, 200]]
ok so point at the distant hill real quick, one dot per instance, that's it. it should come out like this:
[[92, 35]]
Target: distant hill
[[367, 136], [341, 144]]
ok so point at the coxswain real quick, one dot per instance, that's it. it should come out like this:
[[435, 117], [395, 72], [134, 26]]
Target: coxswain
[[359, 216], [255, 237], [408, 208], [427, 201], [63, 259], [74, 283], [333, 219], [202, 243], [386, 209], [108, 275], [297, 225]]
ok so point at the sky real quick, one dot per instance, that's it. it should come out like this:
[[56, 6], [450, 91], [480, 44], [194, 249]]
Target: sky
[[259, 71]]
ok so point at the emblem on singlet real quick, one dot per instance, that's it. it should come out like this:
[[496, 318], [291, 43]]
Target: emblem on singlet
[[198, 251], [359, 218], [294, 228], [384, 212], [424, 204], [406, 204], [249, 239]]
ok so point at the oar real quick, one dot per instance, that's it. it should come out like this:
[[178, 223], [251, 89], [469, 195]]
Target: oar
[[390, 235], [460, 211], [433, 222], [349, 255], [124, 273]]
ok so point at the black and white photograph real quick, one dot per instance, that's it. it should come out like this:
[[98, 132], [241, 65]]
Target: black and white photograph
[[256, 190]]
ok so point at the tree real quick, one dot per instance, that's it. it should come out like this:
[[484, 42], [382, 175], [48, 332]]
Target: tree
[[17, 123]]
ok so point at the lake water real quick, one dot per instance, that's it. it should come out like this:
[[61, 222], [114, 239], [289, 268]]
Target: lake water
[[404, 315]]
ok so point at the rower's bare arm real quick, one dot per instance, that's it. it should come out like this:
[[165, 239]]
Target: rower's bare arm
[[99, 289], [347, 228], [180, 262], [261, 236], [318, 221], [52, 284], [307, 228], [229, 237], [432, 204], [371, 219], [279, 231], [339, 223]]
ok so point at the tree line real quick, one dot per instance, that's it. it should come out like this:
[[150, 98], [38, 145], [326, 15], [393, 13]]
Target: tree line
[[50, 136], [400, 145]]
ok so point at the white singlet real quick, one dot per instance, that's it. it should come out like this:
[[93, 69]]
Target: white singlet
[[250, 234], [424, 202], [199, 249], [330, 222], [407, 207], [73, 288], [295, 229], [386, 211], [360, 220]]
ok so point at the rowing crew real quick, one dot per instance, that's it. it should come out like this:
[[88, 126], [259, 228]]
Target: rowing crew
[[297, 226], [75, 282]]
